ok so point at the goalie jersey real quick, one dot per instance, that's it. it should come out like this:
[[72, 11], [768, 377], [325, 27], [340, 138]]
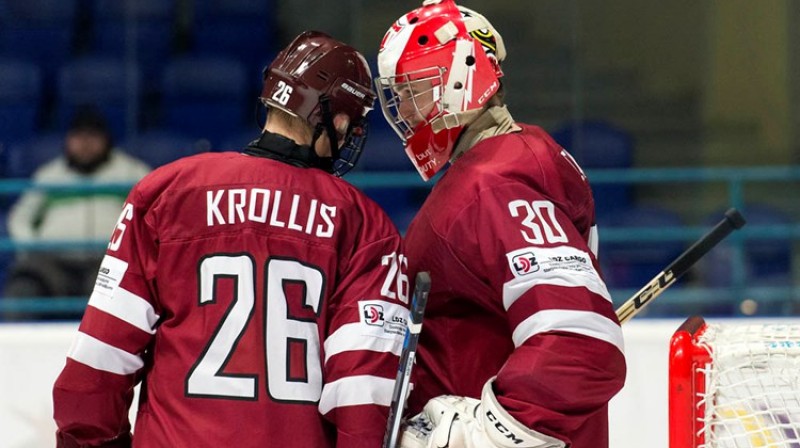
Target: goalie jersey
[[259, 304], [508, 237]]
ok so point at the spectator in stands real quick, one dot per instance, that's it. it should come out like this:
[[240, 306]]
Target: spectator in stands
[[43, 216]]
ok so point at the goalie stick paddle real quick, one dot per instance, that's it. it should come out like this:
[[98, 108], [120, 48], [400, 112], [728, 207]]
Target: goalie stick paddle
[[401, 383], [733, 220]]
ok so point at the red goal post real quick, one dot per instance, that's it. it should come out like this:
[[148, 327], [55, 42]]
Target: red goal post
[[734, 385]]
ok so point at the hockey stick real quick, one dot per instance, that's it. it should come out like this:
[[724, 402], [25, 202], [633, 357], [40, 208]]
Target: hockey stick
[[402, 382], [733, 220]]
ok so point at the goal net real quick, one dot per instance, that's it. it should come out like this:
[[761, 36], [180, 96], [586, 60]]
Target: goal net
[[734, 385]]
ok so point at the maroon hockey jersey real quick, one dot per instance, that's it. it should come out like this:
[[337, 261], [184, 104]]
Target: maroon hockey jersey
[[260, 304], [516, 291]]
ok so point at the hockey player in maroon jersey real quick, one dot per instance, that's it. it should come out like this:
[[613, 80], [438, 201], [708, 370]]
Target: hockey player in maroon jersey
[[260, 300], [521, 345]]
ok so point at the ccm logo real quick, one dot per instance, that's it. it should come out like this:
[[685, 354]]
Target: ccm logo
[[502, 429], [487, 93], [373, 315]]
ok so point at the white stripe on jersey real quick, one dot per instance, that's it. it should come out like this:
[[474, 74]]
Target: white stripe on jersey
[[586, 323], [109, 297], [127, 306], [101, 356], [355, 390], [356, 336], [594, 240], [558, 266]]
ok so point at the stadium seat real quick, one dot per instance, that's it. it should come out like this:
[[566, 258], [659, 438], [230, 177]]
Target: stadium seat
[[241, 29], [39, 31], [143, 26], [768, 260], [111, 84], [20, 100], [631, 264], [160, 147], [205, 96], [23, 158], [600, 145]]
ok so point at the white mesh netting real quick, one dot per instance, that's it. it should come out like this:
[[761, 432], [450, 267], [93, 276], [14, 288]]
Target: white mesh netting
[[752, 394]]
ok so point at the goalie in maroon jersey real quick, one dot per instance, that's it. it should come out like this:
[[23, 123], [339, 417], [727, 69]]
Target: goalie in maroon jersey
[[521, 345], [260, 299]]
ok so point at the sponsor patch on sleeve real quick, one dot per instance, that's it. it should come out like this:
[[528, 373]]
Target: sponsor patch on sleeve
[[557, 266], [545, 260], [382, 318], [109, 276]]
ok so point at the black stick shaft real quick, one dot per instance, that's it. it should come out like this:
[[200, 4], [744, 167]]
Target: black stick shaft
[[733, 220], [401, 384]]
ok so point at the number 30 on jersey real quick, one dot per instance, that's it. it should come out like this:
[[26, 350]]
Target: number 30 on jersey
[[539, 221]]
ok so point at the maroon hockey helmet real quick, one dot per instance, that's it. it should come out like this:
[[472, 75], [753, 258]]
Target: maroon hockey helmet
[[317, 77]]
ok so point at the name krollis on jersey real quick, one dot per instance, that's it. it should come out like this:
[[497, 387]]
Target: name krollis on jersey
[[265, 206]]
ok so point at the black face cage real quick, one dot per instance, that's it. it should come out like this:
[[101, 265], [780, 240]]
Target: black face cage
[[343, 158], [347, 156]]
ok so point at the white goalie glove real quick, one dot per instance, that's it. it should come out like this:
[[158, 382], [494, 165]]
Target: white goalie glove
[[450, 421]]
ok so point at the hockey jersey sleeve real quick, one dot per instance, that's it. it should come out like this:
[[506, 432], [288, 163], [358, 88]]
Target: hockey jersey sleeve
[[93, 393], [568, 358], [365, 337]]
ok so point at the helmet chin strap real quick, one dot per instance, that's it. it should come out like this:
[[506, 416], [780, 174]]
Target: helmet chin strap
[[327, 125], [454, 120]]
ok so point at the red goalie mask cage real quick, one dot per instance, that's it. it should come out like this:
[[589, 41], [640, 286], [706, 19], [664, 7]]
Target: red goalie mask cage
[[734, 385]]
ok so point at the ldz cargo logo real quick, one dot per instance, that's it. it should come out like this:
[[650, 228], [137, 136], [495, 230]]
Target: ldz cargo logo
[[373, 314], [524, 263]]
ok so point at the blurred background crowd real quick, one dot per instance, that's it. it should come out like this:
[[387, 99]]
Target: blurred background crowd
[[677, 110]]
